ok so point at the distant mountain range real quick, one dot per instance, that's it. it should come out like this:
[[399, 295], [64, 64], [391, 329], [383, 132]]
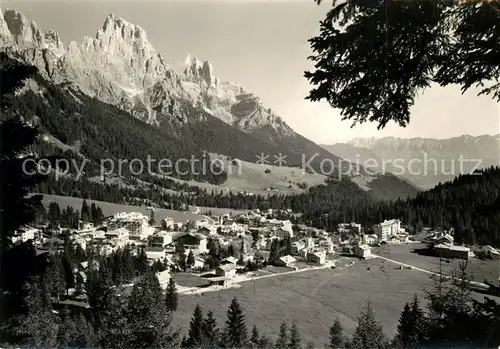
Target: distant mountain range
[[189, 111], [423, 161]]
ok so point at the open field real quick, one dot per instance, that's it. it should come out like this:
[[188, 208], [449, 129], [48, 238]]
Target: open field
[[251, 177], [480, 270], [110, 208], [316, 298]]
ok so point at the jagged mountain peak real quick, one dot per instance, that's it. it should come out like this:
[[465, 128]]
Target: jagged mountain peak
[[120, 66], [21, 29], [199, 72]]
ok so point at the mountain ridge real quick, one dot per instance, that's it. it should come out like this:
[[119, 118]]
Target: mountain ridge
[[431, 160], [136, 77], [120, 67]]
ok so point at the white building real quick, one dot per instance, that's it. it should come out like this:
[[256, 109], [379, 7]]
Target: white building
[[167, 223], [201, 223], [194, 241], [362, 251], [327, 245], [24, 234], [309, 242], [163, 278], [349, 228], [155, 253], [317, 257], [229, 226], [387, 228], [228, 270], [117, 237], [298, 246], [370, 239], [135, 222], [287, 261], [160, 239]]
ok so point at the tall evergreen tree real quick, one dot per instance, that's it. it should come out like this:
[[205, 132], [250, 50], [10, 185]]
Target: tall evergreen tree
[[149, 322], [86, 214], [235, 333], [368, 334], [195, 337], [38, 326], [17, 173], [288, 245], [255, 337], [171, 296], [56, 277], [336, 338], [85, 337], [114, 327], [152, 220], [294, 337], [68, 331], [404, 337], [210, 330], [282, 339], [190, 259]]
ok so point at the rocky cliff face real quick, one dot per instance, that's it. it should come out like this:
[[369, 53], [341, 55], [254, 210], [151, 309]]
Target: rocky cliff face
[[120, 66]]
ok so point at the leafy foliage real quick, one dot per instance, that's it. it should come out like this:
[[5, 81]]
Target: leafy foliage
[[372, 58]]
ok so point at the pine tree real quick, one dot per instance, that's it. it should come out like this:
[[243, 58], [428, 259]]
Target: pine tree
[[16, 136], [255, 338], [85, 212], [336, 339], [294, 337], [288, 245], [152, 220], [368, 334], [67, 329], [149, 322], [115, 330], [85, 337], [419, 320], [56, 277], [93, 213], [235, 333], [190, 259], [240, 261], [404, 335], [54, 213], [38, 328], [171, 296], [196, 327], [210, 330], [67, 267], [282, 340]]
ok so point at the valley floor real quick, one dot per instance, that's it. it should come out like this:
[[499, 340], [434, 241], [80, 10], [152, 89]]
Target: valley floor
[[315, 298]]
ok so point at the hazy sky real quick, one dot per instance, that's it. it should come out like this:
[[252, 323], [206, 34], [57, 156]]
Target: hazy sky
[[263, 46]]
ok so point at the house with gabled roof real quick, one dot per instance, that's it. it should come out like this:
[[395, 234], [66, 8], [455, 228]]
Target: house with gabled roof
[[287, 261]]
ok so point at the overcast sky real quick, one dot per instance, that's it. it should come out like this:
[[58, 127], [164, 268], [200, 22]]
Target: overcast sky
[[263, 46]]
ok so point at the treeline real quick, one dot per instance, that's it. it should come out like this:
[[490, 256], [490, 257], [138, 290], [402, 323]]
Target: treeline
[[70, 217]]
